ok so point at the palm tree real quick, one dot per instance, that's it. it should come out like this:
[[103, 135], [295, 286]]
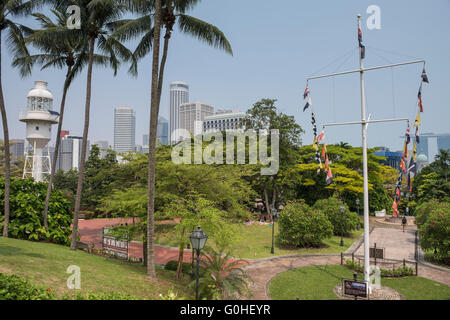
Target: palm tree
[[70, 54], [97, 18], [224, 277], [16, 44], [171, 12]]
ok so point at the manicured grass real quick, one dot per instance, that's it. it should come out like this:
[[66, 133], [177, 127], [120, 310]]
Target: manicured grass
[[255, 242], [318, 282], [46, 264]]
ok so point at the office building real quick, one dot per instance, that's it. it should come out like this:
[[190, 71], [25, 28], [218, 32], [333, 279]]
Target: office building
[[192, 115], [162, 132], [69, 155], [224, 120], [124, 129], [393, 159], [179, 94]]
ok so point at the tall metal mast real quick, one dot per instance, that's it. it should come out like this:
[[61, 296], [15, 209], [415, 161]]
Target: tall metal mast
[[364, 123]]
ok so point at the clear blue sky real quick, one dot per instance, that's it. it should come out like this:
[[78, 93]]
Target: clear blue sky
[[276, 45]]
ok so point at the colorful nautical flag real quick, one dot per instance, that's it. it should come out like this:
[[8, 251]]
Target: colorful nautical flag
[[321, 136], [415, 151], [315, 146], [412, 166], [403, 164], [408, 137], [417, 121], [361, 46], [326, 163], [417, 135], [306, 93], [329, 178], [419, 96], [405, 151], [324, 151], [424, 76], [395, 209], [308, 103]]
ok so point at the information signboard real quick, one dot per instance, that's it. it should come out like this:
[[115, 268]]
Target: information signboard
[[355, 288], [118, 247]]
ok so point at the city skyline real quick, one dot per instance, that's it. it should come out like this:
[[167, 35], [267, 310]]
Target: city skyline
[[253, 73]]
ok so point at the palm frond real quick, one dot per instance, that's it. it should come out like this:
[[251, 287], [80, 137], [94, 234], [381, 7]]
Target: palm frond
[[204, 31], [17, 46]]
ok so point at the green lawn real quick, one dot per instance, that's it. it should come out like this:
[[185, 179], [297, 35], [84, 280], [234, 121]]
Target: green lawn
[[318, 282], [46, 264], [255, 242]]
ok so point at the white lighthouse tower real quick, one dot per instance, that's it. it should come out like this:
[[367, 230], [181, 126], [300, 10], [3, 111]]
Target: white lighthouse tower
[[39, 118]]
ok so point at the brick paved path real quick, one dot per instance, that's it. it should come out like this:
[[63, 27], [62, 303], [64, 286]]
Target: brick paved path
[[397, 244], [91, 232]]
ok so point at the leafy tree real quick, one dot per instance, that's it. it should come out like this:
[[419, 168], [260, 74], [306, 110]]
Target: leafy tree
[[435, 233], [345, 222], [262, 118], [27, 202], [301, 226], [16, 44], [165, 13], [432, 182]]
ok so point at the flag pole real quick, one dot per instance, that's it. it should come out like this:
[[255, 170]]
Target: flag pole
[[365, 173]]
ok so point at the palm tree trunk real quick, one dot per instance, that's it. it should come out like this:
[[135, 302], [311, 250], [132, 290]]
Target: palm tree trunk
[[163, 64], [152, 145], [6, 144], [58, 140], [83, 146]]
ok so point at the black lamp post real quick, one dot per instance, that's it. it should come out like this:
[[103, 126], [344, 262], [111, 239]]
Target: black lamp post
[[342, 229], [357, 208], [198, 240], [274, 212]]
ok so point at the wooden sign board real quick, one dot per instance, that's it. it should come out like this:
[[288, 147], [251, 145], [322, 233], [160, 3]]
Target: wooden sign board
[[355, 288], [376, 253]]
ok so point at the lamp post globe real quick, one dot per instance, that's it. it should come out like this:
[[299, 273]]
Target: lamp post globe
[[342, 208], [198, 240]]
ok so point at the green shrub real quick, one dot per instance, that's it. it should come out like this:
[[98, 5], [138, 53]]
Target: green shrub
[[26, 221], [186, 267], [331, 208], [301, 226], [14, 287], [423, 210], [435, 232], [396, 272]]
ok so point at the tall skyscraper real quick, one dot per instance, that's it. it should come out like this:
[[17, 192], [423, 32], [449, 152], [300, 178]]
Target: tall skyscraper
[[70, 153], [124, 129], [192, 115], [179, 94], [162, 132]]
